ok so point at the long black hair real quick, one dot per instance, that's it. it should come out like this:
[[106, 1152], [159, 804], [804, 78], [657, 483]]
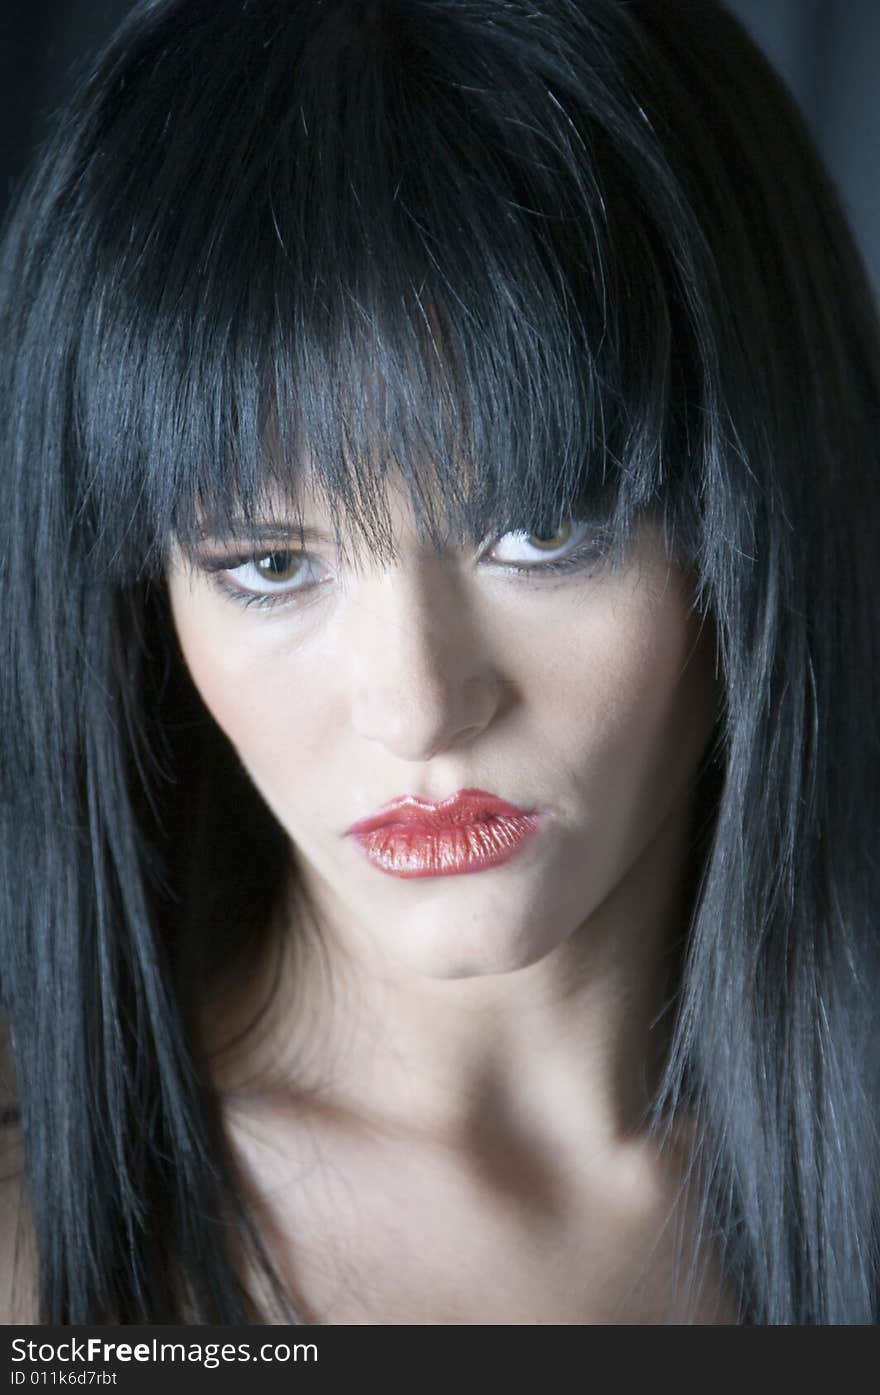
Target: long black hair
[[524, 253]]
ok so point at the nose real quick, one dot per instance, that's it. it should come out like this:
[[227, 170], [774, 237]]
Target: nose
[[423, 680]]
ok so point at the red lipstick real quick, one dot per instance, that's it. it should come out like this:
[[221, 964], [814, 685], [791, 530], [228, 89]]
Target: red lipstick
[[468, 832]]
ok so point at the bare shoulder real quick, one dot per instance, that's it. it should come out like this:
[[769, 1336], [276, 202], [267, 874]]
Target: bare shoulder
[[18, 1302]]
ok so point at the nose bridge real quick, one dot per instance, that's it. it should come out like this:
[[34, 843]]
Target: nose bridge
[[422, 679]]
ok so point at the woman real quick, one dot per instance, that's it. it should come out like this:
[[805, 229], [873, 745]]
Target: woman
[[440, 765]]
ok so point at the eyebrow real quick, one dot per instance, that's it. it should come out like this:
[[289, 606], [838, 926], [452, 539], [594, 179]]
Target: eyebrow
[[240, 531]]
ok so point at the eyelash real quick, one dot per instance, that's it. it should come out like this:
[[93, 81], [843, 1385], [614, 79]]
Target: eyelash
[[589, 550]]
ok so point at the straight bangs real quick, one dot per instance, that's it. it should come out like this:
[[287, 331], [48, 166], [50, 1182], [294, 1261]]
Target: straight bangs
[[347, 257]]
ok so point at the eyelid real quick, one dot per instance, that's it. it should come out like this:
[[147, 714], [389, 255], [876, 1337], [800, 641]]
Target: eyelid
[[233, 557], [231, 561]]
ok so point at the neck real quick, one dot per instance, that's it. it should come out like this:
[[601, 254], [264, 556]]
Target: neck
[[568, 1048]]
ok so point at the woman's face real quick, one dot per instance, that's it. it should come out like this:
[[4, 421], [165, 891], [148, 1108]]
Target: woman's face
[[528, 669]]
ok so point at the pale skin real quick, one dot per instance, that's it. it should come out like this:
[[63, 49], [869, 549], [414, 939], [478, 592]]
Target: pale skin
[[439, 1119]]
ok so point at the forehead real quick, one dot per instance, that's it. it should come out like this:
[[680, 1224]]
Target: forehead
[[377, 519], [483, 321]]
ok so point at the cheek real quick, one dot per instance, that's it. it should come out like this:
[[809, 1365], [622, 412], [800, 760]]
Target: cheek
[[672, 697], [639, 695], [244, 685]]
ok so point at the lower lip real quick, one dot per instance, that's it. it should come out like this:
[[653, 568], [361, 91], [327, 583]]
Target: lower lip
[[411, 850]]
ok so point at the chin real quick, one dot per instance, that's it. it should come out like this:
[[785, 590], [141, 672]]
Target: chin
[[477, 953]]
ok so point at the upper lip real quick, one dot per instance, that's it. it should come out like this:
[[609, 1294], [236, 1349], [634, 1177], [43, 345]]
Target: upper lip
[[463, 807]]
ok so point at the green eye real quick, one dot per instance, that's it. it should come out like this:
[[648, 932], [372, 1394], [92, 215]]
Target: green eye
[[274, 575], [552, 542], [521, 549]]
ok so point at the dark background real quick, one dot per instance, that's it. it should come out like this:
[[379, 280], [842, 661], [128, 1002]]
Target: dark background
[[827, 50]]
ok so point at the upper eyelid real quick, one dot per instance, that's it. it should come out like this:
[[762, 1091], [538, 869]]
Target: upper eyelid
[[231, 558]]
